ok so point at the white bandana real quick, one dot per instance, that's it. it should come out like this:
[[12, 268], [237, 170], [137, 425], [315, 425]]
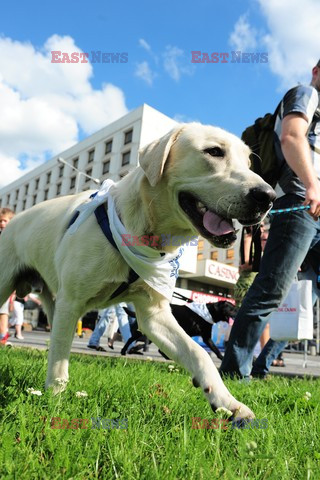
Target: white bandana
[[158, 271], [202, 310]]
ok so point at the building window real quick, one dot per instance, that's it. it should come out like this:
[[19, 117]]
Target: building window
[[91, 155], [17, 194], [26, 188], [46, 193], [8, 199], [230, 254], [72, 182], [61, 169], [48, 177], [88, 172], [128, 136], [75, 162], [58, 188], [37, 183], [24, 203], [108, 147], [200, 256], [125, 158], [34, 199], [106, 167], [214, 255], [200, 244]]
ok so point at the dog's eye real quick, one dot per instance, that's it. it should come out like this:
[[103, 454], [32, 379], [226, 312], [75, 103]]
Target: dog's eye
[[215, 151]]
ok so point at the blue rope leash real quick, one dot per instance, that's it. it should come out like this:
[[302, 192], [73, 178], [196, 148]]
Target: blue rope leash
[[291, 209]]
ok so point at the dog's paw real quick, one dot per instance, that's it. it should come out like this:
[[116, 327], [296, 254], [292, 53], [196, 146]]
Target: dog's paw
[[58, 385], [240, 412]]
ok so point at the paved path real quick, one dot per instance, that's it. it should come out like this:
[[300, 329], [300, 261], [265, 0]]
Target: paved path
[[294, 361]]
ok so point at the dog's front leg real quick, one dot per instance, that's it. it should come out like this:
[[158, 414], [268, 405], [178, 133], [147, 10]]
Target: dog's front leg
[[157, 322], [64, 323], [213, 347]]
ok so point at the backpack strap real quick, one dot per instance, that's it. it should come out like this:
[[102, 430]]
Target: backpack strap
[[255, 251]]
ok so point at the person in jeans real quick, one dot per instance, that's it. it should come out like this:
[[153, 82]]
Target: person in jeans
[[273, 348], [292, 235], [106, 316]]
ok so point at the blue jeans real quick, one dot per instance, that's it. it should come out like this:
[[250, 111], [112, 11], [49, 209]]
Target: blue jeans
[[291, 237], [273, 348], [270, 352], [104, 320], [100, 328]]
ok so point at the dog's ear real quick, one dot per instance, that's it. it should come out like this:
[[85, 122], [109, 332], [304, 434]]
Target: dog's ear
[[153, 157]]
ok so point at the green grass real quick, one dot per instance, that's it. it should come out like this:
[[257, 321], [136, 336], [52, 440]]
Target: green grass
[[159, 442]]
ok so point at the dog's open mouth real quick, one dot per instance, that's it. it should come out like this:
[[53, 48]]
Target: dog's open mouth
[[215, 228]]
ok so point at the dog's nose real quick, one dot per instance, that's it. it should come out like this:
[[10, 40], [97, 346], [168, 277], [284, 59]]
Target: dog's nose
[[263, 194]]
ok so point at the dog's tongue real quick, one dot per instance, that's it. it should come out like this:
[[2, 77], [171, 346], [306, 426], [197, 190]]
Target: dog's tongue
[[215, 224]]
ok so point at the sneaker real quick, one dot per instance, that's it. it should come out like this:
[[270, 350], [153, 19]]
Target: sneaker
[[18, 337], [98, 348], [4, 339]]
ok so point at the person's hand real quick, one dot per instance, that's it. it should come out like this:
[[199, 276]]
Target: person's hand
[[313, 199]]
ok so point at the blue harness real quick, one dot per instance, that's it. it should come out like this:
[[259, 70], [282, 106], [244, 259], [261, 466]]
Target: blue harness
[[103, 221]]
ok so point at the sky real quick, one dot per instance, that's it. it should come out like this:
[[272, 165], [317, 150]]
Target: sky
[[46, 107]]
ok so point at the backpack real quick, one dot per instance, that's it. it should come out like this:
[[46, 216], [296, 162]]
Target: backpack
[[260, 138]]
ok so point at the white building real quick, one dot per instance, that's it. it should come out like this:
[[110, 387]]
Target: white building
[[111, 153]]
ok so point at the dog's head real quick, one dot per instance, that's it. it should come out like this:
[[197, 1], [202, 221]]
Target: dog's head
[[205, 171], [222, 311]]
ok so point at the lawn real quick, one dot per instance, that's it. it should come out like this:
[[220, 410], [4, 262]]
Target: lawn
[[152, 406]]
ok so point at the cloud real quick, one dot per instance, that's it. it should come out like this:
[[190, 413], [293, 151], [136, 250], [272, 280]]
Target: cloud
[[243, 37], [175, 63], [292, 38], [144, 72], [182, 118], [144, 44], [44, 105]]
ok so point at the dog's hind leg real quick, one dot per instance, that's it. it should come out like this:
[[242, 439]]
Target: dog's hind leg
[[157, 322], [8, 271], [66, 315]]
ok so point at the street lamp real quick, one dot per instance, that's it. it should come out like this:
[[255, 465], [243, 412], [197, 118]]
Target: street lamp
[[79, 173]]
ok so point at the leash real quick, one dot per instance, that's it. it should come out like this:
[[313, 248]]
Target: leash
[[179, 296], [287, 210]]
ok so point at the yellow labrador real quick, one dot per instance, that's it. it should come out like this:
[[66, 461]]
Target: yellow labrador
[[192, 181]]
